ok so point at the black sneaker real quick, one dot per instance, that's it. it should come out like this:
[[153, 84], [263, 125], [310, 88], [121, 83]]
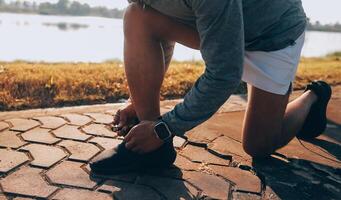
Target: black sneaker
[[316, 121], [121, 160]]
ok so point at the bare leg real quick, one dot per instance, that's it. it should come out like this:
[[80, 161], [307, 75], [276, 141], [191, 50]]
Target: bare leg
[[270, 122], [168, 49], [295, 115], [145, 33], [125, 117]]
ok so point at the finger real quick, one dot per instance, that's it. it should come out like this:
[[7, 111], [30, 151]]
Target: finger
[[130, 145], [123, 119], [119, 133], [117, 117], [123, 131], [130, 135]]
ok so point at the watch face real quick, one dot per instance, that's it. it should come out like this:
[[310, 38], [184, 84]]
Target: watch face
[[162, 131]]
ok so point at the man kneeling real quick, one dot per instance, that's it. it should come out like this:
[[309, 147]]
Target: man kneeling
[[259, 42]]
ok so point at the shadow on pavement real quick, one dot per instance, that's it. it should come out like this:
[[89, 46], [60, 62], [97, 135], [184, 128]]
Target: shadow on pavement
[[299, 179], [333, 131], [328, 147], [294, 178], [146, 185], [329, 142]]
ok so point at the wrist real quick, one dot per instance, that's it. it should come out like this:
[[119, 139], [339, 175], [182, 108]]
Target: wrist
[[162, 130]]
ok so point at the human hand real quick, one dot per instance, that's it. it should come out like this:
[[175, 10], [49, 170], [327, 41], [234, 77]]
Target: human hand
[[142, 138], [125, 119]]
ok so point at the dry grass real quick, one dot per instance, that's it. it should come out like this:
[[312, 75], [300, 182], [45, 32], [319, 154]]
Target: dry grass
[[327, 69], [32, 85]]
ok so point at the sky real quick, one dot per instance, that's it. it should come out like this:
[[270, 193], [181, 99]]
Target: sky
[[327, 11]]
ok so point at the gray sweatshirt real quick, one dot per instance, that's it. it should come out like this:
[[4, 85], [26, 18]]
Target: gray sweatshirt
[[226, 29]]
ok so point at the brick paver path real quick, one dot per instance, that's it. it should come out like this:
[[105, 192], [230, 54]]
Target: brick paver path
[[44, 155]]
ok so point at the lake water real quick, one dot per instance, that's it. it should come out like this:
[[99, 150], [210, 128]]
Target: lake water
[[94, 39]]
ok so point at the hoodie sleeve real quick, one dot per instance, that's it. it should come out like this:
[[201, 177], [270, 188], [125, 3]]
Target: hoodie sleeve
[[220, 26]]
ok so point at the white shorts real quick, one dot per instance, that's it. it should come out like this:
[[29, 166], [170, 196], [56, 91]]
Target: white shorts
[[273, 71]]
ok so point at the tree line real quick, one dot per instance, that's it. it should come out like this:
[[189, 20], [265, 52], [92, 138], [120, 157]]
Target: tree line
[[74, 8], [317, 26], [62, 7]]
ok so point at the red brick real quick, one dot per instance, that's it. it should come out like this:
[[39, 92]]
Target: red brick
[[269, 194], [244, 180], [334, 111], [101, 118], [228, 124], [234, 103], [27, 181], [309, 152], [40, 135], [245, 196], [170, 188], [80, 151], [179, 142], [125, 177], [164, 110], [11, 159], [51, 122], [232, 124], [203, 134], [72, 194], [70, 174], [227, 146], [43, 155], [3, 197], [70, 132], [185, 164], [10, 139], [212, 186], [99, 130], [77, 119], [129, 191], [23, 124], [110, 112], [106, 143], [198, 154], [3, 126]]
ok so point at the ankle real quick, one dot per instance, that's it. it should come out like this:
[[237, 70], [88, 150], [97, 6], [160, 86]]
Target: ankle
[[312, 96], [149, 116]]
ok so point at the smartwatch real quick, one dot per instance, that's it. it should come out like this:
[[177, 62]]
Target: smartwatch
[[162, 130]]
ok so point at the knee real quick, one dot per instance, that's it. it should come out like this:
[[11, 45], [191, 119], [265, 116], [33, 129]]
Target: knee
[[257, 149], [134, 18], [132, 12]]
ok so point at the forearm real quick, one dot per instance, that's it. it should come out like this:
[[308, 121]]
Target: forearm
[[201, 103], [220, 25]]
